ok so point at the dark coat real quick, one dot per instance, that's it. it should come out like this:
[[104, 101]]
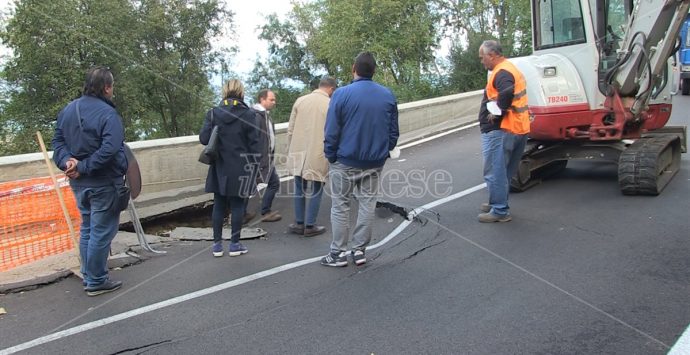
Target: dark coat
[[234, 172], [266, 167], [97, 141]]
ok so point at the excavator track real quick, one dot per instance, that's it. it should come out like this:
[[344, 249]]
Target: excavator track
[[648, 165]]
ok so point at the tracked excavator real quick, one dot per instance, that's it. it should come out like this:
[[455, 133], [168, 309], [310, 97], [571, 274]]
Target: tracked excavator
[[599, 84]]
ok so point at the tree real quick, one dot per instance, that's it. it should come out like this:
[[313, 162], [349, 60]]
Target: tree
[[469, 22], [286, 91], [51, 46], [402, 35], [158, 50], [324, 36], [509, 22], [176, 50], [287, 71]]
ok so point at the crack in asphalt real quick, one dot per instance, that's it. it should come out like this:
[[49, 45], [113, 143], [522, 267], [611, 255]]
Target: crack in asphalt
[[592, 231], [142, 347], [423, 249]]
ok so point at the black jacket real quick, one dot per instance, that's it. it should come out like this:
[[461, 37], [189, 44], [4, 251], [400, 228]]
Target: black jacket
[[234, 172], [504, 82], [263, 121]]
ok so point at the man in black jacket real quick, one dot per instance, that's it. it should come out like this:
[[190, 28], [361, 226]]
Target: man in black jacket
[[268, 174], [89, 146]]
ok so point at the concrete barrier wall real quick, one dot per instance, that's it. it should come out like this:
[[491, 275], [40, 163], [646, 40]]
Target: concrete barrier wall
[[172, 163]]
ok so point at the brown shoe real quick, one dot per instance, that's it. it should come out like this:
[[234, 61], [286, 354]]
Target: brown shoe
[[248, 216], [491, 218], [295, 228], [314, 231], [272, 216], [485, 207]]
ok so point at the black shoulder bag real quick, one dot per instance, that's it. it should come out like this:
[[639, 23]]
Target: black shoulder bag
[[210, 151]]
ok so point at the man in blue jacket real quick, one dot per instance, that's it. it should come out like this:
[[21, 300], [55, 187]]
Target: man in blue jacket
[[89, 147], [361, 128]]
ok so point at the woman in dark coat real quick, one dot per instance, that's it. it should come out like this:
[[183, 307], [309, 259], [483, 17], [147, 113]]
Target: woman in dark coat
[[232, 176]]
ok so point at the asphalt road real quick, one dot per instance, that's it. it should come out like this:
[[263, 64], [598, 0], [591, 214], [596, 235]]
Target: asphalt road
[[580, 269]]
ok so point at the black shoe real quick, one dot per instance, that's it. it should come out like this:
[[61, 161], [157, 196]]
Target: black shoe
[[331, 259], [358, 257], [295, 228], [107, 286], [314, 231]]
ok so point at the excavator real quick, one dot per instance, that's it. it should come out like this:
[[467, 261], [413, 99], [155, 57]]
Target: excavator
[[599, 84]]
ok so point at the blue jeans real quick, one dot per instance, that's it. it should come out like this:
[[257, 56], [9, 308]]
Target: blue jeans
[[513, 148], [220, 205], [100, 219], [313, 196], [502, 152], [270, 191]]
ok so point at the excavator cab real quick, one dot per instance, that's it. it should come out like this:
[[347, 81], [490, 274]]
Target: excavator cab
[[599, 89]]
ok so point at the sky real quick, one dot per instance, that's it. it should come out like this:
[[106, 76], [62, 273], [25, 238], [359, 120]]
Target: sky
[[248, 16]]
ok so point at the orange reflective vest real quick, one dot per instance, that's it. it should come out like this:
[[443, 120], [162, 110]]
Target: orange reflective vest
[[516, 117]]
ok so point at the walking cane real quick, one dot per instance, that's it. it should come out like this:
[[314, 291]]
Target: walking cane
[[63, 205]]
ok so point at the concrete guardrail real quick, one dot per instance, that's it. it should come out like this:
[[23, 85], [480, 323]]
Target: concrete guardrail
[[172, 163]]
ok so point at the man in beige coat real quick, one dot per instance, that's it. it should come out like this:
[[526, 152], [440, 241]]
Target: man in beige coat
[[306, 160]]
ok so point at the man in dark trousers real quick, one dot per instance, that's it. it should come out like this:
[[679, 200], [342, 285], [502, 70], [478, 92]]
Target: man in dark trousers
[[267, 173], [361, 128], [89, 147], [504, 132]]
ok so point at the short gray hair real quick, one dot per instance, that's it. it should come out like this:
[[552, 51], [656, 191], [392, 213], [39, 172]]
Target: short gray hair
[[491, 46], [328, 82]]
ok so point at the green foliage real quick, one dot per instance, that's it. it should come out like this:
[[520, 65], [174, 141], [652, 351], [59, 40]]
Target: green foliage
[[467, 72], [159, 51], [268, 77], [324, 36], [470, 22], [509, 22], [400, 33], [161, 55]]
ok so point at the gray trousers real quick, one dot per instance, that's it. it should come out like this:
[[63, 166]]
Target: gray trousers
[[346, 181]]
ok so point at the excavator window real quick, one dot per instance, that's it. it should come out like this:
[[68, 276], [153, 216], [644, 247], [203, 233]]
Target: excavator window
[[559, 23], [615, 19]]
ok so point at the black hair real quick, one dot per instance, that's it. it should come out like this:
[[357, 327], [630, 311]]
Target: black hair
[[97, 79], [365, 64]]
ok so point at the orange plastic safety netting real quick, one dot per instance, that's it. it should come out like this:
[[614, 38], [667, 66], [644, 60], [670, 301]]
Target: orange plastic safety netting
[[32, 223]]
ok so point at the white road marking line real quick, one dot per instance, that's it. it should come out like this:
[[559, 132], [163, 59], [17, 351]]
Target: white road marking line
[[213, 289], [207, 291], [424, 140], [411, 144], [418, 210], [682, 346]]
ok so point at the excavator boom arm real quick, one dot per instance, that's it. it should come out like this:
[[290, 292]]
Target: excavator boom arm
[[649, 41]]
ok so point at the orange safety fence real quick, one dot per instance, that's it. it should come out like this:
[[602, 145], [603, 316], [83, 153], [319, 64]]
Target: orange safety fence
[[32, 224]]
